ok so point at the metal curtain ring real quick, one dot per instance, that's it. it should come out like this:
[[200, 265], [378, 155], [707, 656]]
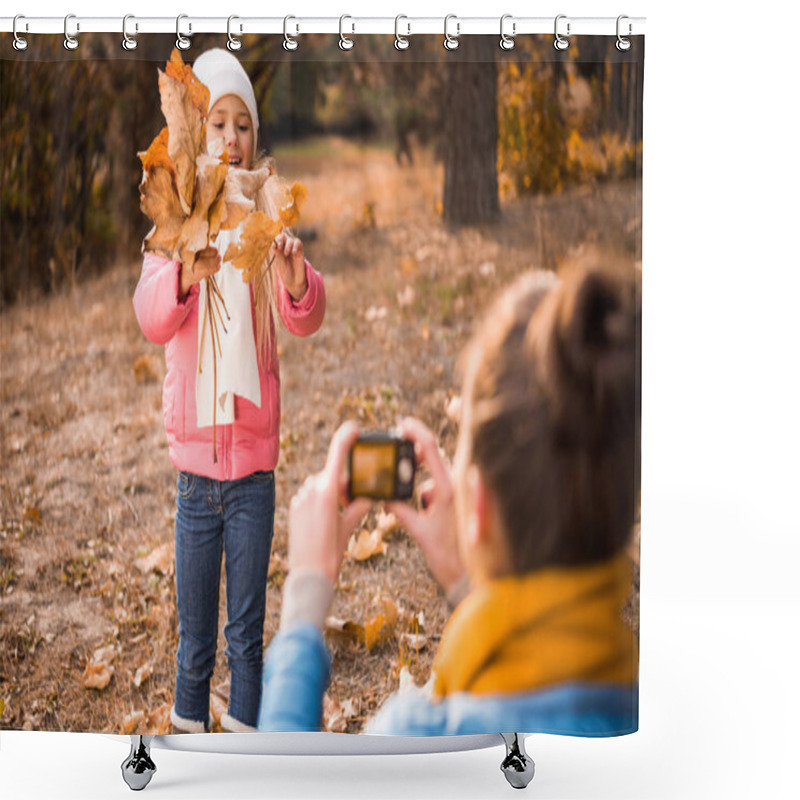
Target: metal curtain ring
[[70, 42], [623, 44], [451, 42], [288, 42], [128, 42], [561, 42], [19, 43], [401, 42], [506, 41], [182, 42], [233, 42], [344, 42]]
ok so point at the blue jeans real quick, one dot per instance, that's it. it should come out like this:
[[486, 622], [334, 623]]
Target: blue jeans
[[235, 517]]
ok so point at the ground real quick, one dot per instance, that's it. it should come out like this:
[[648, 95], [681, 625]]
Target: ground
[[87, 492]]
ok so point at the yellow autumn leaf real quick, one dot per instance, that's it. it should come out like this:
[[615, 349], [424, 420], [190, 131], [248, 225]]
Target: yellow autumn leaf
[[381, 628], [290, 209], [195, 232], [252, 250], [238, 199], [160, 202], [366, 544]]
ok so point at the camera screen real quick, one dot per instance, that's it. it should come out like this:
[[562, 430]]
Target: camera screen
[[373, 469]]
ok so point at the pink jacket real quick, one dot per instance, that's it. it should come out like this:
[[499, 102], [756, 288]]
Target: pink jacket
[[251, 443]]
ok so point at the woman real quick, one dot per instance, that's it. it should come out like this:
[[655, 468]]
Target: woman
[[532, 524]]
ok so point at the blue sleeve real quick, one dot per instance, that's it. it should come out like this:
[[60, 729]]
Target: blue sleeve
[[297, 669]]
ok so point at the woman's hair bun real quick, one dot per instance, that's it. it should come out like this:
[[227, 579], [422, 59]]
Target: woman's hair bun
[[591, 360]]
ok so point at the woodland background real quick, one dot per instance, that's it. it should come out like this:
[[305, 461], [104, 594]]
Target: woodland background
[[432, 183]]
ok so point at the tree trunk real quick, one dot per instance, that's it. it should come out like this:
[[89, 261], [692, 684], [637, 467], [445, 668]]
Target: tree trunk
[[470, 158]]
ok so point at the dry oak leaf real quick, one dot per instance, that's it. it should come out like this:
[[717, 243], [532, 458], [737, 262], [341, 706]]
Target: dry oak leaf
[[99, 670], [160, 202], [366, 544], [252, 250], [195, 232], [184, 103]]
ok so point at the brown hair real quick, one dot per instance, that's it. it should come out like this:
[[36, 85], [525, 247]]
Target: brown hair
[[553, 382]]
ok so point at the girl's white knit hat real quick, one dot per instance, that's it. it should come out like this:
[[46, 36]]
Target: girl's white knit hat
[[222, 73]]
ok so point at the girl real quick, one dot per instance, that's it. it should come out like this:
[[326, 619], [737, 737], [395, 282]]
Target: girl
[[225, 462], [536, 515]]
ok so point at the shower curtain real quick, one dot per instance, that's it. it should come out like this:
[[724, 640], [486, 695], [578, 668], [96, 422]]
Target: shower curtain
[[422, 183]]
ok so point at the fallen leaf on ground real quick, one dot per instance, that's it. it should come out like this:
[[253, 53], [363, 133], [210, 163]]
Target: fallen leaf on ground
[[374, 313], [130, 722], [99, 670], [158, 721], [160, 560], [334, 719], [344, 629], [366, 544], [414, 642], [32, 514], [382, 627], [145, 369], [386, 522], [142, 674]]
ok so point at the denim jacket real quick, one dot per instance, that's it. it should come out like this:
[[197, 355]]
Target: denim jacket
[[297, 671]]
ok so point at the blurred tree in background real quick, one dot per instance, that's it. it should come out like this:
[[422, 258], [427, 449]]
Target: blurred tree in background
[[504, 124]]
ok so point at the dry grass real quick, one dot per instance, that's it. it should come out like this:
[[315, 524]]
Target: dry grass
[[87, 488]]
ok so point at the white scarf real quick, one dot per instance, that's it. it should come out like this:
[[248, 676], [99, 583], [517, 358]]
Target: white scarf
[[237, 365]]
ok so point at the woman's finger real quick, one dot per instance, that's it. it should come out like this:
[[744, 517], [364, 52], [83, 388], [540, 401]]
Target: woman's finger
[[406, 516], [427, 448], [342, 441], [353, 514]]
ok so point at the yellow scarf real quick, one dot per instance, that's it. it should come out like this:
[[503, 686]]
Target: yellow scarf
[[547, 627]]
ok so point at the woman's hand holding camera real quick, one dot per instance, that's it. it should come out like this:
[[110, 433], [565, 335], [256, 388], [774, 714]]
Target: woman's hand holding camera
[[318, 533], [433, 528]]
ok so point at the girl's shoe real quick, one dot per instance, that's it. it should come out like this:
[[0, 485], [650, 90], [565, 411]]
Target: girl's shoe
[[231, 725], [181, 725]]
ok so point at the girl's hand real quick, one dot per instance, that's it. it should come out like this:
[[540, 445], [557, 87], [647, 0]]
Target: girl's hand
[[207, 262], [433, 528], [318, 533], [291, 263]]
